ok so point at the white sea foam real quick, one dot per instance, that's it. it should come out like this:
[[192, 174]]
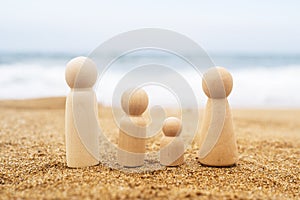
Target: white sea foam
[[19, 81], [259, 87], [267, 87]]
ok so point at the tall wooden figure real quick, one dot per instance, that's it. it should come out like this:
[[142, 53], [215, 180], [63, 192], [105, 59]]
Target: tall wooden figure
[[217, 139], [81, 124], [171, 145], [132, 133]]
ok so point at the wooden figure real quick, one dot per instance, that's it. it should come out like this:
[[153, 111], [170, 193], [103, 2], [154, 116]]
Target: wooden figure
[[132, 133], [171, 145], [217, 139], [81, 124]]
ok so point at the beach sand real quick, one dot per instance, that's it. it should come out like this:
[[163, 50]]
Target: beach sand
[[33, 163]]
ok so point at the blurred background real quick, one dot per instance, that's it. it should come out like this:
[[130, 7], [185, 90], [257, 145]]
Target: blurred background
[[258, 41]]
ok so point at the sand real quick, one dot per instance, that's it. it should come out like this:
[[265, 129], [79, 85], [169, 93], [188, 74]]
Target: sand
[[33, 163]]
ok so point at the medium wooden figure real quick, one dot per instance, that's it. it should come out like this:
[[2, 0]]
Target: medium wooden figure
[[171, 145], [81, 124], [217, 139], [132, 133]]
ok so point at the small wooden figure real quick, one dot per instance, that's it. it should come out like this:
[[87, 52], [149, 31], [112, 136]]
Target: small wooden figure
[[81, 124], [132, 133], [217, 139], [171, 145]]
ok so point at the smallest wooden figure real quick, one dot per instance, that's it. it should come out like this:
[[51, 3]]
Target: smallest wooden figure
[[171, 145]]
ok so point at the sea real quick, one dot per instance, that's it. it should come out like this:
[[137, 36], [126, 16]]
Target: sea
[[261, 80]]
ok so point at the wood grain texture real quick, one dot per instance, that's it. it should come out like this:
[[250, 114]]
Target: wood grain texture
[[80, 152], [221, 149]]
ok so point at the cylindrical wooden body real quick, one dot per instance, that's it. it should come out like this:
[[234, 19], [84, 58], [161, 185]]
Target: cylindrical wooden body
[[171, 151], [81, 129], [217, 139], [132, 141]]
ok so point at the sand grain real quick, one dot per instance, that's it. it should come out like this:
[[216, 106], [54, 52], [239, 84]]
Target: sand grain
[[33, 165]]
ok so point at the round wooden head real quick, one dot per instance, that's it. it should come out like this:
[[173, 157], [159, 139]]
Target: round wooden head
[[134, 101], [217, 83], [81, 72], [172, 127]]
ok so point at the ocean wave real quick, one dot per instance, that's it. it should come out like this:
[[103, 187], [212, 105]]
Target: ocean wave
[[257, 86]]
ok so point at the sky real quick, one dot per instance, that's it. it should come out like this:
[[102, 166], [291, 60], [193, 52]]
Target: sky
[[257, 26]]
